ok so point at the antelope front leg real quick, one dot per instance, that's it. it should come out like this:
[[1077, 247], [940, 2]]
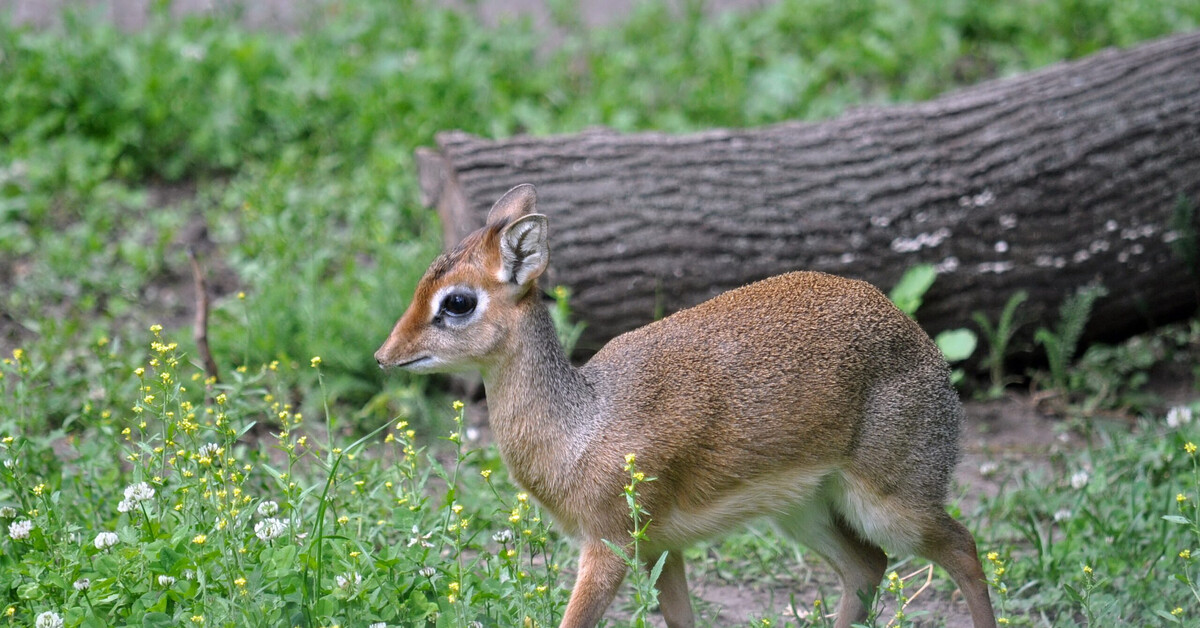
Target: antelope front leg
[[600, 575]]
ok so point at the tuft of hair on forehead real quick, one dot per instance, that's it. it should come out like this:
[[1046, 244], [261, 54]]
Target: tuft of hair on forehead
[[482, 243], [479, 241]]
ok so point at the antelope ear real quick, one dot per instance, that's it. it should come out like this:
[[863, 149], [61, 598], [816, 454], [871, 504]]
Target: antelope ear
[[517, 202], [524, 253]]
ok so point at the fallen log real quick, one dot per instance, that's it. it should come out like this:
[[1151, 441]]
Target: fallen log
[[1082, 172]]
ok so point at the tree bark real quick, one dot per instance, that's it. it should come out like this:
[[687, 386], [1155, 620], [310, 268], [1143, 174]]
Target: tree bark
[[1081, 172]]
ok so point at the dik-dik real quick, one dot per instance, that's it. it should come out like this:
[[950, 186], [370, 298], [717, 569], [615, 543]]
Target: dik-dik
[[806, 398]]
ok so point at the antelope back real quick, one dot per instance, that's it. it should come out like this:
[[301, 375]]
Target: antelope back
[[469, 299]]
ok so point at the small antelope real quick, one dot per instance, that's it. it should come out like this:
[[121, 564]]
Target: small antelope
[[806, 398]]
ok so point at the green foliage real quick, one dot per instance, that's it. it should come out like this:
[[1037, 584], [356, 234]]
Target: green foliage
[[568, 331], [998, 339], [645, 593], [1107, 530], [1061, 344], [180, 515], [956, 344], [909, 292]]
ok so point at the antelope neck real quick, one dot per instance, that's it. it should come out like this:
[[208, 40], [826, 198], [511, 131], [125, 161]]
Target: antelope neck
[[538, 403]]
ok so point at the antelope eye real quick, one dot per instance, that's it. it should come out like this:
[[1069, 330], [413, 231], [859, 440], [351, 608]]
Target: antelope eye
[[458, 304]]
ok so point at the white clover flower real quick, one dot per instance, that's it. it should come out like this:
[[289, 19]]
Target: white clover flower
[[988, 469], [125, 506], [268, 509], [270, 529], [211, 450], [188, 574], [20, 529], [1062, 514], [10, 464], [166, 581], [8, 512], [139, 492], [378, 624], [503, 536], [48, 619], [105, 540], [349, 580], [427, 572], [1179, 415], [1079, 479], [83, 584]]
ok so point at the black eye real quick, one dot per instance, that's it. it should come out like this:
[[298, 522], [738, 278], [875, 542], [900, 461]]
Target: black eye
[[458, 304]]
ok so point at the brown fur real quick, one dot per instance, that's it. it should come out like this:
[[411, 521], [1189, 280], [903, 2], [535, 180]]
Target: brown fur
[[806, 398]]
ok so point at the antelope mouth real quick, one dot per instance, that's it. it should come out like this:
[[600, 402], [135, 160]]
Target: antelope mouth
[[415, 362]]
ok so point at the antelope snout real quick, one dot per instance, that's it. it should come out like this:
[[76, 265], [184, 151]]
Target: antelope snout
[[381, 356]]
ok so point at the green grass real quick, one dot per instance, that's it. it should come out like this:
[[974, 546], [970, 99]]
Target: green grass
[[286, 160]]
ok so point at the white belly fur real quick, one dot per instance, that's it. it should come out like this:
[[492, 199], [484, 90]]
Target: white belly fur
[[770, 496]]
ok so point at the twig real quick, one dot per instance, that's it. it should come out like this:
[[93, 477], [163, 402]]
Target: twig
[[200, 330], [928, 569]]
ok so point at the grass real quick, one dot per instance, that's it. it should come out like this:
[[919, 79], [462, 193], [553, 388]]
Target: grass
[[297, 493]]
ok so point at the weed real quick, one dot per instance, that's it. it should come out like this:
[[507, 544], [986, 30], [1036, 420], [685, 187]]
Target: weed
[[1061, 343], [909, 293], [1113, 507], [645, 595], [568, 331], [998, 339]]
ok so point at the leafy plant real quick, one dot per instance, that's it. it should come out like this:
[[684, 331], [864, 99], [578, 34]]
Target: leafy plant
[[908, 294], [998, 339], [1112, 522], [568, 331], [1061, 343], [645, 594]]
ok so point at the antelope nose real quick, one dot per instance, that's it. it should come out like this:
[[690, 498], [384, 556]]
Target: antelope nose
[[379, 357]]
